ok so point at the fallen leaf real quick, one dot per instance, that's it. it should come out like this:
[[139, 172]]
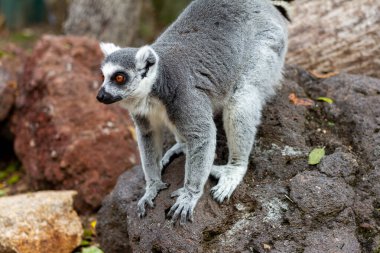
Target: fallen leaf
[[267, 246], [325, 99], [300, 101], [93, 224], [324, 75], [316, 156], [132, 130]]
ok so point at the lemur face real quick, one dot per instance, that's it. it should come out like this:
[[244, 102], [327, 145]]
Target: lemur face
[[128, 73], [119, 82]]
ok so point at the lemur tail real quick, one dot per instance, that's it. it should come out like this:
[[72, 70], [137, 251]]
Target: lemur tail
[[283, 6]]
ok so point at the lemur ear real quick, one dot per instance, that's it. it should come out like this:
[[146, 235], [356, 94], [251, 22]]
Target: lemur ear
[[146, 60], [108, 48]]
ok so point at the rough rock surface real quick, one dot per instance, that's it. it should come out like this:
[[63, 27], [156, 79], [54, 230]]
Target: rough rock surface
[[7, 94], [284, 205], [11, 60], [327, 36], [64, 138], [41, 222]]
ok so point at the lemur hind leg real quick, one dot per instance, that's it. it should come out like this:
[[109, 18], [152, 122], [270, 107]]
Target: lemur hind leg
[[178, 149], [241, 116]]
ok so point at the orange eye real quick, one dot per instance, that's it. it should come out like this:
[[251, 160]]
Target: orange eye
[[102, 77], [120, 79]]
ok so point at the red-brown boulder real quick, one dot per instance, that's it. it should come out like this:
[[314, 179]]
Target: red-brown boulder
[[64, 138]]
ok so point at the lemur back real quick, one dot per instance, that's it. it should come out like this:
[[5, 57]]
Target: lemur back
[[217, 45]]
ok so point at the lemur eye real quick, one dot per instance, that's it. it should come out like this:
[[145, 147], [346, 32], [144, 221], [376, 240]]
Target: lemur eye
[[102, 77], [120, 78]]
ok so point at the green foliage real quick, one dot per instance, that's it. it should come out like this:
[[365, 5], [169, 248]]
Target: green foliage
[[316, 156], [91, 249], [85, 243], [3, 193], [8, 172], [13, 179]]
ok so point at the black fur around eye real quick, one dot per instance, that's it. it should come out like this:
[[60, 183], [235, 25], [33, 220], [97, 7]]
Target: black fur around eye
[[120, 78]]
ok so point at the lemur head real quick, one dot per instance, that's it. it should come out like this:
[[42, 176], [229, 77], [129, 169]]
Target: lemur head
[[129, 73]]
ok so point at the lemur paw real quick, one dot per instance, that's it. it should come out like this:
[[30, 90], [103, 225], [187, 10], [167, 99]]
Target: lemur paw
[[149, 196], [184, 206], [227, 183]]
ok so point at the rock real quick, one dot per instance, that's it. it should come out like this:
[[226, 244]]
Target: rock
[[283, 204], [7, 94], [64, 138], [322, 196], [39, 222], [332, 241], [11, 60], [339, 164]]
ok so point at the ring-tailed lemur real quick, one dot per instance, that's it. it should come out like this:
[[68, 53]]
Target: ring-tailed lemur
[[219, 55]]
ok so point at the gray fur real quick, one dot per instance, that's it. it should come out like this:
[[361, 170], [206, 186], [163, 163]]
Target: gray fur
[[219, 55]]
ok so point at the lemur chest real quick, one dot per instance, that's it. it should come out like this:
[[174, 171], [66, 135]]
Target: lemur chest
[[158, 117]]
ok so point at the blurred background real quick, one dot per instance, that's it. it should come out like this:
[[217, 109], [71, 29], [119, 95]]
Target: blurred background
[[123, 22]]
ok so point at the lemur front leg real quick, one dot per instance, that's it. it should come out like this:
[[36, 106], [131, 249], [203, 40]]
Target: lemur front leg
[[150, 146], [198, 129]]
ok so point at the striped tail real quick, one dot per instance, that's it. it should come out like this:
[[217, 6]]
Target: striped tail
[[283, 6]]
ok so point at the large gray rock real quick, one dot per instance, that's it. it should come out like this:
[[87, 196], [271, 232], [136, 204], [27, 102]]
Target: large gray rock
[[332, 241], [42, 222], [283, 205], [322, 196]]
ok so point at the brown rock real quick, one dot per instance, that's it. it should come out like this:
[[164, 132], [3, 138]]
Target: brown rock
[[64, 137], [7, 94], [11, 65], [42, 222]]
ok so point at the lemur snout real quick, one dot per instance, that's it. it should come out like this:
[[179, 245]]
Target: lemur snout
[[106, 98]]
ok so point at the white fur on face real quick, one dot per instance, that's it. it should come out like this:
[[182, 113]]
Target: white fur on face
[[108, 70], [108, 48]]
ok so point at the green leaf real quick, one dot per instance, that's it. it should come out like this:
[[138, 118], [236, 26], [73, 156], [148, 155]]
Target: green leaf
[[330, 124], [13, 179], [92, 249], [316, 156], [325, 99]]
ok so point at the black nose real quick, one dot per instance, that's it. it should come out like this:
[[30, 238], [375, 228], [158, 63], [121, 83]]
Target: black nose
[[106, 98]]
